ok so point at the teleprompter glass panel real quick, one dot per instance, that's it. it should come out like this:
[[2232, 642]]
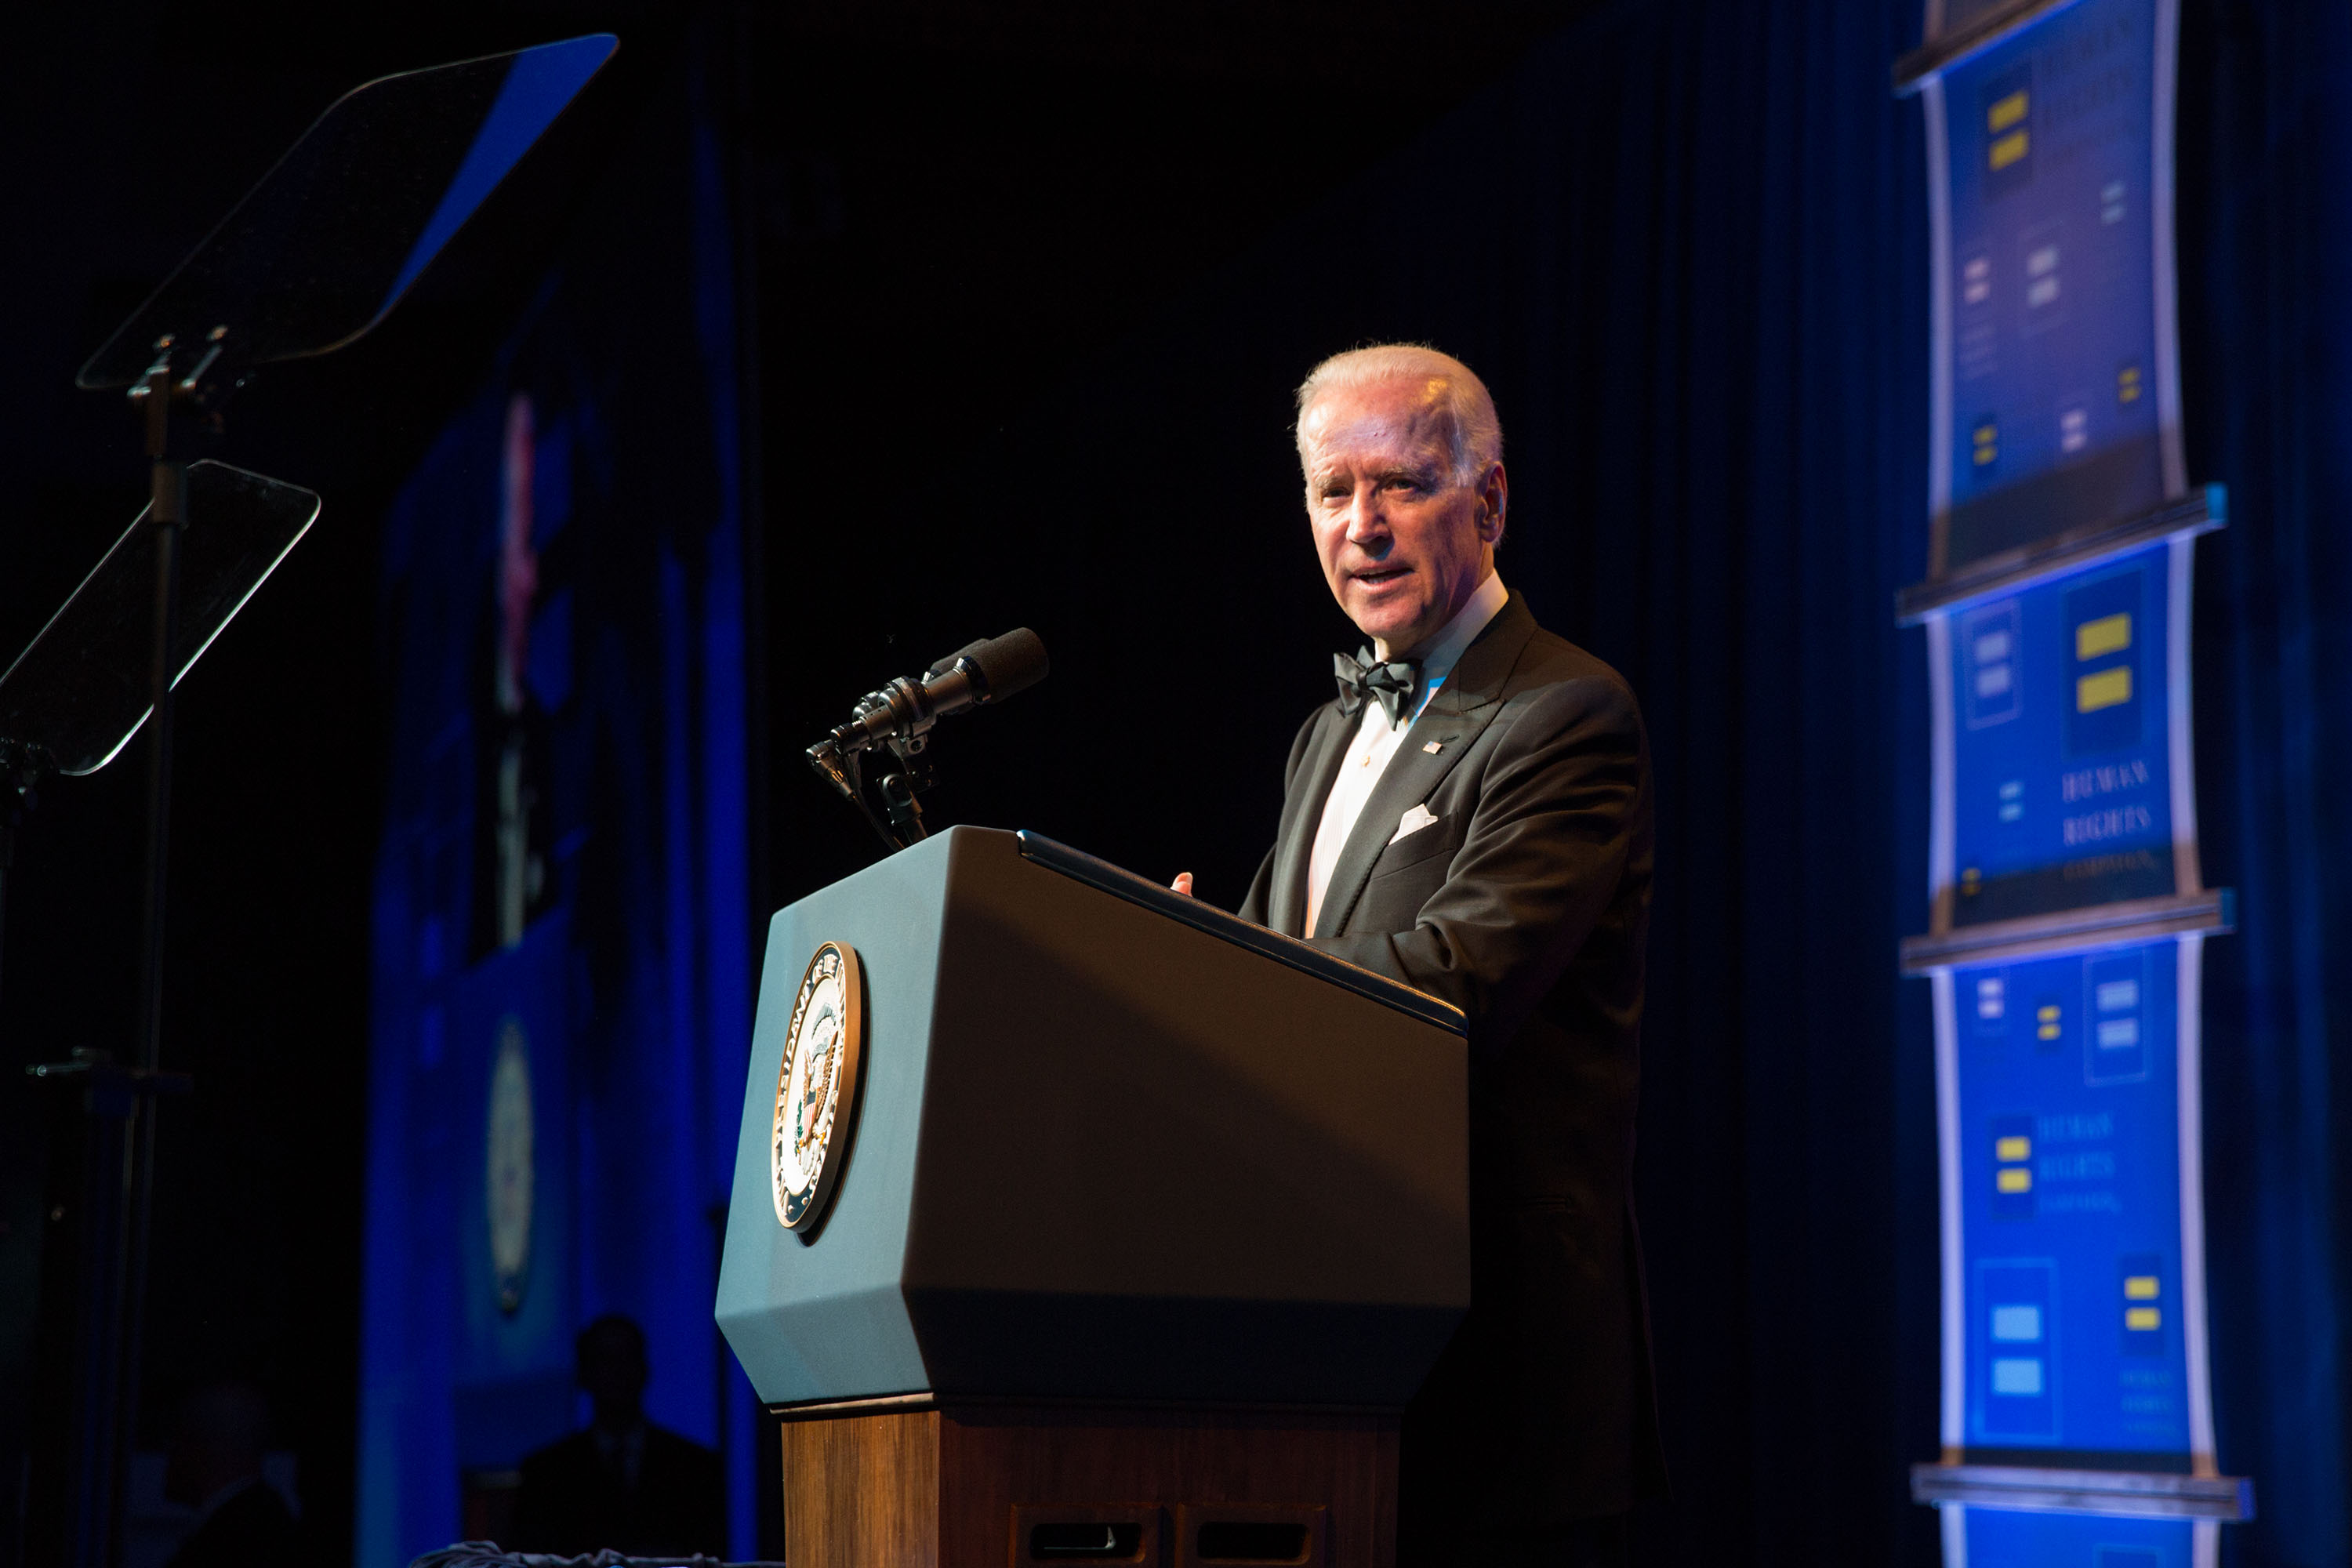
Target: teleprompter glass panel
[[334, 233], [81, 691]]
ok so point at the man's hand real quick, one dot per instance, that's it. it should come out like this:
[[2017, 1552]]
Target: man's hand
[[1183, 883]]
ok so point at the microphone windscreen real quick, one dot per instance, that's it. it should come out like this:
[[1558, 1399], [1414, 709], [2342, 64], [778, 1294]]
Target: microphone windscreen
[[1013, 662], [967, 651]]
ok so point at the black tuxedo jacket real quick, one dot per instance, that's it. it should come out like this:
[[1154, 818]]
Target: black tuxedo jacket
[[569, 1504], [1526, 903]]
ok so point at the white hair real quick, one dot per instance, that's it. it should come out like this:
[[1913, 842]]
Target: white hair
[[1475, 433]]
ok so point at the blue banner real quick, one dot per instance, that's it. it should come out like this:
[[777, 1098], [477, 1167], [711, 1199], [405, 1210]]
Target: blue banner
[[1986, 1539], [2056, 386], [562, 966], [2066, 780], [2077, 1302]]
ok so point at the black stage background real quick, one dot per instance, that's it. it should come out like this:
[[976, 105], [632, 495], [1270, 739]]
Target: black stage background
[[955, 209], [1033, 286]]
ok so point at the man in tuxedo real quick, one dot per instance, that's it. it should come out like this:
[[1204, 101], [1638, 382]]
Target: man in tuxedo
[[622, 1482], [1470, 814]]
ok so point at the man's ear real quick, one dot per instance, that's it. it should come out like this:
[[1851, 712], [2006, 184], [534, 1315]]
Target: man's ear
[[1494, 499]]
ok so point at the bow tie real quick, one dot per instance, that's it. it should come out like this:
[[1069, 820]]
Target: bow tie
[[1360, 675]]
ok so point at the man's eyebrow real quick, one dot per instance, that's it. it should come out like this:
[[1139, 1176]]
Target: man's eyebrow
[[1420, 472]]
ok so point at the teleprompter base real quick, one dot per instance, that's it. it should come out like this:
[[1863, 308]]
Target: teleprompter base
[[948, 1484]]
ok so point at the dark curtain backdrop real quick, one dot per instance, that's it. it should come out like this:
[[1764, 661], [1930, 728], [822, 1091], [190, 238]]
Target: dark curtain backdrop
[[2265, 169], [1687, 245]]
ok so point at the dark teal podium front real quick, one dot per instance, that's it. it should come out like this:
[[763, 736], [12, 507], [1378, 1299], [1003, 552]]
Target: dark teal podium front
[[1111, 1150]]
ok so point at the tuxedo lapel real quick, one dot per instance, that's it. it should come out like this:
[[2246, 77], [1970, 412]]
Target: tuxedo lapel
[[1302, 813], [1452, 721]]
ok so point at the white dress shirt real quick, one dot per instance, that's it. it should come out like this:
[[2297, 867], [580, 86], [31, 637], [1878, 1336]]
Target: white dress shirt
[[1376, 739]]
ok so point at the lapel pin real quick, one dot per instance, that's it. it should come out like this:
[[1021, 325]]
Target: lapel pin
[[1431, 747]]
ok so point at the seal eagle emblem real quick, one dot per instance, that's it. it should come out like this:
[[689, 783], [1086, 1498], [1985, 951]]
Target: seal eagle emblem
[[816, 1086]]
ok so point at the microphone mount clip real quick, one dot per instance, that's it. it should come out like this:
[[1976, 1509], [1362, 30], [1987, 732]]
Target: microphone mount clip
[[898, 720]]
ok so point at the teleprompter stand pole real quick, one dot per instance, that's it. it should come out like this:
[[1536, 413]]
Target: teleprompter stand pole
[[117, 1181], [168, 517], [118, 1103], [74, 699], [15, 793]]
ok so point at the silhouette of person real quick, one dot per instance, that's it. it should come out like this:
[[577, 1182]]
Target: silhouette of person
[[214, 1467], [622, 1482]]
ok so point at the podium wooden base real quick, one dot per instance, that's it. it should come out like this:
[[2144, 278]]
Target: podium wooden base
[[919, 1484]]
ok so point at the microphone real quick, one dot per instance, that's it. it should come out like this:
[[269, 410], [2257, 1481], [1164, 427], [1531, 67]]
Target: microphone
[[974, 675]]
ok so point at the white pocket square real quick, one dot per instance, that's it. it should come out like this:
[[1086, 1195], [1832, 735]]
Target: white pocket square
[[1414, 819]]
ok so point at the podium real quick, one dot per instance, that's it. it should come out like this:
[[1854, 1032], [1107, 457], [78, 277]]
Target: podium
[[1137, 1227]]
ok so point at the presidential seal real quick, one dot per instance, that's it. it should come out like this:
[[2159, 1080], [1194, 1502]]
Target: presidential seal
[[816, 1089]]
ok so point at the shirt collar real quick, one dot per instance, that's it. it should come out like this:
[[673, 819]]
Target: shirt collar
[[1445, 650]]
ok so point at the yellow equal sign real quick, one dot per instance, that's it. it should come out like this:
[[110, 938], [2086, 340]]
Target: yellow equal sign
[[2143, 1319], [2047, 1017], [1985, 441], [2108, 634], [2108, 688], [2005, 122], [2127, 384], [2013, 1179]]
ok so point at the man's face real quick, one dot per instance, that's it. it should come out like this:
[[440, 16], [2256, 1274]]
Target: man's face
[[611, 1372], [1402, 545]]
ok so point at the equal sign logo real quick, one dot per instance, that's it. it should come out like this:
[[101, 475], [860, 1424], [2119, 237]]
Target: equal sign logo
[[1990, 648], [2143, 1284], [2095, 639], [2013, 1167], [2041, 275], [2008, 132], [2074, 427], [2008, 103], [2018, 1298], [2103, 614], [1976, 280], [1991, 993], [1984, 442], [2116, 1051]]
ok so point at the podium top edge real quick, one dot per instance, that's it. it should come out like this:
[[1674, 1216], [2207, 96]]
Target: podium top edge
[[1119, 882], [1051, 1409]]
